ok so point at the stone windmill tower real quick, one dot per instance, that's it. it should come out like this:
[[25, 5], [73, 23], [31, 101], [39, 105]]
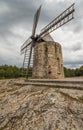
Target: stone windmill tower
[[41, 52], [47, 61]]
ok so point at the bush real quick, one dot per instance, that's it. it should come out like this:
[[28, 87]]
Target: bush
[[10, 71]]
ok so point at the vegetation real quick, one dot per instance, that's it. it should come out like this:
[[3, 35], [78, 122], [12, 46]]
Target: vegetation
[[10, 71], [73, 72], [7, 71]]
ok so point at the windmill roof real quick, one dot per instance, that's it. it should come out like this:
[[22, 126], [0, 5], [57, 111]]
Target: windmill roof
[[48, 38]]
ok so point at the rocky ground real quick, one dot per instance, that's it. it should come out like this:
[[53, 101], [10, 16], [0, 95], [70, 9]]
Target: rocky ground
[[39, 108]]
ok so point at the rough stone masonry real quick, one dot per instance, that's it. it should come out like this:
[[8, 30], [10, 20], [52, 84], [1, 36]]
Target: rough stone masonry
[[47, 61]]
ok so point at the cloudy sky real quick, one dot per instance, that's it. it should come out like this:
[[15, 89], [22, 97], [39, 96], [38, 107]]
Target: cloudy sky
[[16, 19]]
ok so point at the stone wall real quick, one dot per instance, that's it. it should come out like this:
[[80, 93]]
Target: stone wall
[[48, 61]]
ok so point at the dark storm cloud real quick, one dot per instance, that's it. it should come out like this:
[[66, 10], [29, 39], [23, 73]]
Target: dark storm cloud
[[22, 11], [19, 13]]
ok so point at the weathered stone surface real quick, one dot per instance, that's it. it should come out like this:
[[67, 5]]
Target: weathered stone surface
[[39, 108], [47, 61]]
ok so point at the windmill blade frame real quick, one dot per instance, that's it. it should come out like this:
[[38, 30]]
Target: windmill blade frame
[[35, 22], [24, 46], [60, 20], [29, 60], [31, 38]]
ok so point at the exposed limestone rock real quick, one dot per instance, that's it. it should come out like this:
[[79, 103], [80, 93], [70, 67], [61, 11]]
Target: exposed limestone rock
[[35, 108]]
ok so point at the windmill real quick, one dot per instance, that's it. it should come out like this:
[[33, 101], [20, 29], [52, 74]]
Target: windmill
[[28, 47]]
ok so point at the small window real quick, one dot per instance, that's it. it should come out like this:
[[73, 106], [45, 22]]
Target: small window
[[46, 49], [49, 69]]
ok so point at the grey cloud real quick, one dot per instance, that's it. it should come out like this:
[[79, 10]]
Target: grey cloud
[[76, 26], [72, 64], [11, 61], [21, 13], [77, 46]]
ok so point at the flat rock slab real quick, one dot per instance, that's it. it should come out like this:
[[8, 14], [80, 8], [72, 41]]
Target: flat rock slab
[[69, 83], [29, 107]]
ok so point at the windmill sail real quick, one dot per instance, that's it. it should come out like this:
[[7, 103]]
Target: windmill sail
[[29, 40], [62, 19], [27, 47], [35, 22]]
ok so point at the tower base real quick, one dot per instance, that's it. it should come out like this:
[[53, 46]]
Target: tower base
[[47, 60]]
